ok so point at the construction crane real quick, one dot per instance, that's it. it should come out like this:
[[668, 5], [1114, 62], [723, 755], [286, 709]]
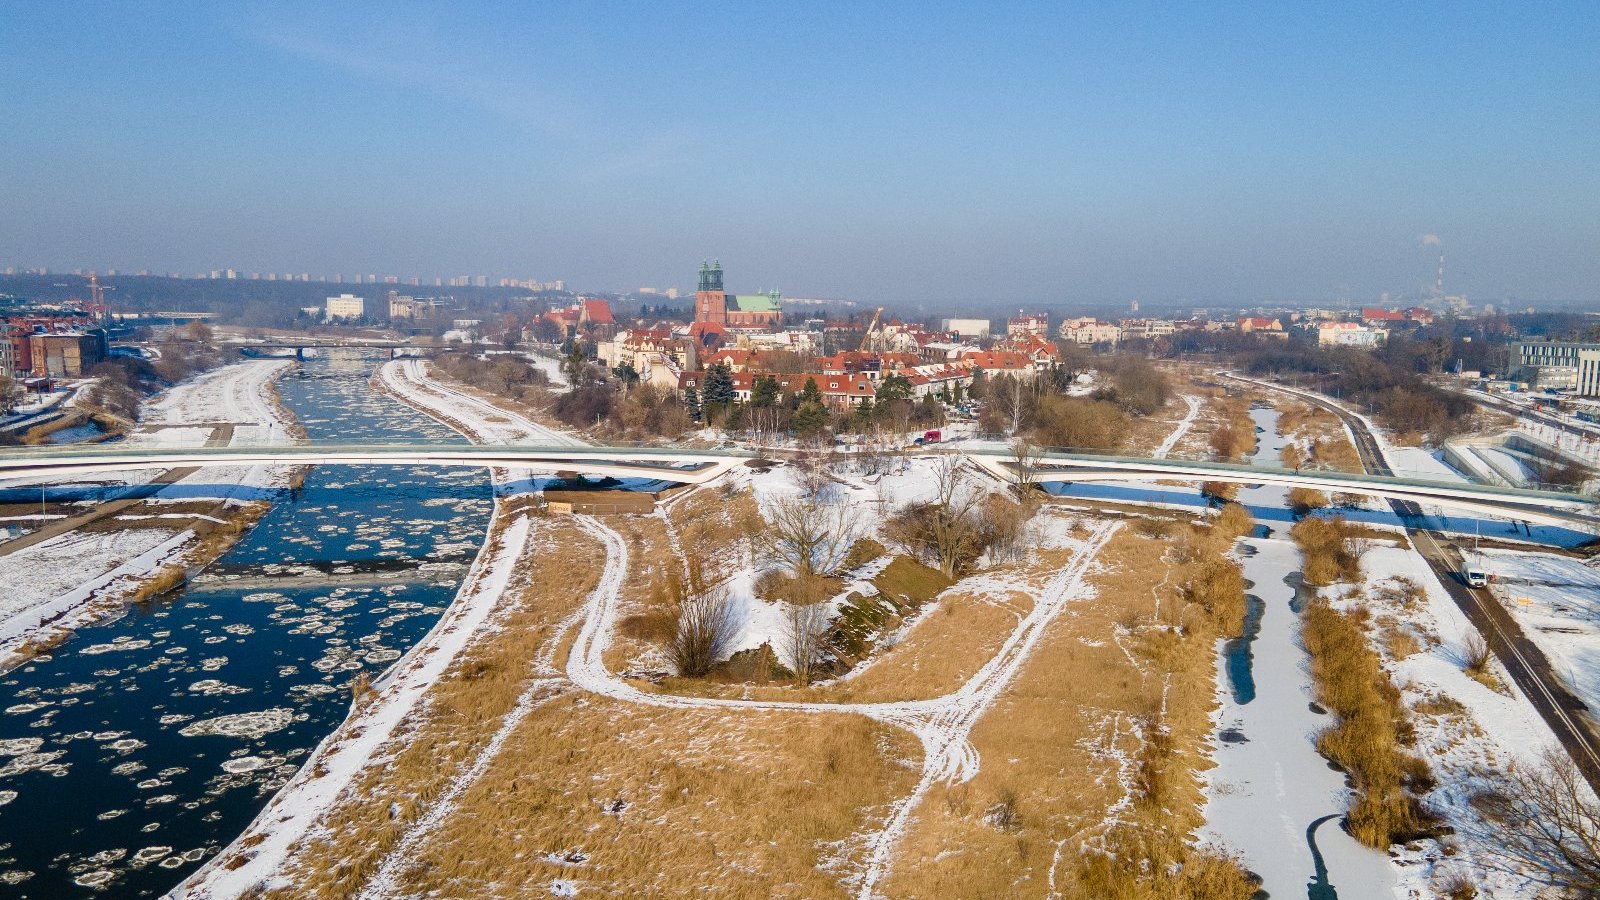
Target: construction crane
[[867, 335]]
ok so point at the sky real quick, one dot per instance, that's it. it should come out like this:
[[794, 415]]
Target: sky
[[1058, 153]]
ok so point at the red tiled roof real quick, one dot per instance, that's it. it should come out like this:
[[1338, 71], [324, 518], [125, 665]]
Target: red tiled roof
[[999, 360]]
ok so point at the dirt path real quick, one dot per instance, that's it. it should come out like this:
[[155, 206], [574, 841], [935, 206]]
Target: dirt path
[[942, 724]]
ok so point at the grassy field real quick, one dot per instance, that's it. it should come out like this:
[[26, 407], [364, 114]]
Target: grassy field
[[461, 714], [629, 801], [1095, 748], [609, 795]]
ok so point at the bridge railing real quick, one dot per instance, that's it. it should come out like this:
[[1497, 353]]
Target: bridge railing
[[1046, 459]]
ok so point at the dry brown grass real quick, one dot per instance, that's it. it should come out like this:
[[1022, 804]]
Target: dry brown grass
[[1368, 739], [1050, 749], [626, 800], [1326, 547], [462, 712], [1145, 433], [615, 797], [1320, 431], [1303, 500]]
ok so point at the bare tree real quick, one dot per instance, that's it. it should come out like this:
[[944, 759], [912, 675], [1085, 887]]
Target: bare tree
[[1004, 524], [1358, 546], [806, 535], [814, 469], [1010, 394], [1544, 821], [872, 454], [805, 637], [1025, 462], [764, 423], [705, 618], [948, 529]]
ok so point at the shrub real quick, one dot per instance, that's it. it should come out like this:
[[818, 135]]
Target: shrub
[[1078, 422], [1304, 500], [1235, 520], [1217, 586], [1325, 545], [1136, 385], [1366, 740]]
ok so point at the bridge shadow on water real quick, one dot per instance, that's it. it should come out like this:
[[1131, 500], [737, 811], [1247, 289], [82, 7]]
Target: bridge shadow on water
[[1281, 517]]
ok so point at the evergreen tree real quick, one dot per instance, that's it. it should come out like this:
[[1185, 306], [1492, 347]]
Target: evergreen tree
[[811, 393], [575, 364], [691, 402], [719, 385], [764, 392], [895, 387], [812, 418], [863, 416]]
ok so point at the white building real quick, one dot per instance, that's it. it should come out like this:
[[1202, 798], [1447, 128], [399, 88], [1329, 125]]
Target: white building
[[1349, 334], [1090, 331], [1028, 323], [346, 306], [968, 329], [1588, 380], [1147, 329]]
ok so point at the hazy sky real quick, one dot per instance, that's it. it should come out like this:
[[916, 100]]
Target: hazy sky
[[1047, 152]]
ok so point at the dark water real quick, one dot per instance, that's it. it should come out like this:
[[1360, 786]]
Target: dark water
[[144, 745], [1238, 655]]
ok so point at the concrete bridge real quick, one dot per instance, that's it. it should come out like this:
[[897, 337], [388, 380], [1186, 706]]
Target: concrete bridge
[[393, 348], [687, 466]]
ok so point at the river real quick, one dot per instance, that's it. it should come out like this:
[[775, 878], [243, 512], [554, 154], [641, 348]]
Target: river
[[143, 745], [1273, 797]]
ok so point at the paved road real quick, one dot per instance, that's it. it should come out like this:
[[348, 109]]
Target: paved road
[[1523, 659]]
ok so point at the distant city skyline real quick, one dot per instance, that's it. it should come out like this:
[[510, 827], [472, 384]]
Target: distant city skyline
[[1062, 154]]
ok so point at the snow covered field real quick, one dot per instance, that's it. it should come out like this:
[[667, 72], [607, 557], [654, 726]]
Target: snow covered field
[[1466, 747], [1556, 600]]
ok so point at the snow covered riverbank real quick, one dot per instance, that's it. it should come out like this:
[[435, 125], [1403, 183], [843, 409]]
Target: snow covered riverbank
[[72, 578], [296, 810]]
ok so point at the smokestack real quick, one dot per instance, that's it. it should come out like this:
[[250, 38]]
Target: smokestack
[[1438, 286]]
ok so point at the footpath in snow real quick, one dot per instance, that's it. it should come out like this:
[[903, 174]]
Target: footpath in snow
[[942, 724]]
